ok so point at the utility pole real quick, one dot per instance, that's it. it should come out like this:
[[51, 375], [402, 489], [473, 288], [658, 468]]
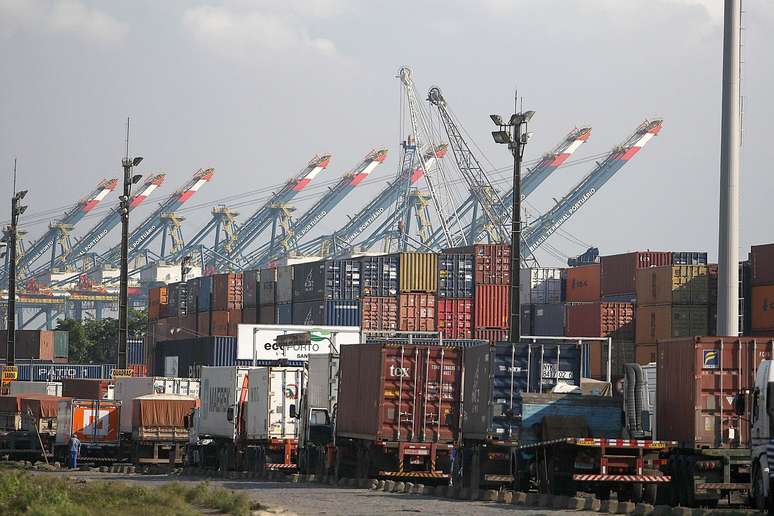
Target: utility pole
[[123, 296], [514, 134], [16, 211], [730, 142]]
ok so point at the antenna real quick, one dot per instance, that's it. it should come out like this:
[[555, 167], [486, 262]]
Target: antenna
[[127, 138], [14, 176]]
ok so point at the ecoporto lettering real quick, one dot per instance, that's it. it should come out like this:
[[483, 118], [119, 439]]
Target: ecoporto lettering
[[298, 348]]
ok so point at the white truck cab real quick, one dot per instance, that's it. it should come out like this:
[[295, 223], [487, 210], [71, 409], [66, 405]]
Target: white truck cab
[[761, 410]]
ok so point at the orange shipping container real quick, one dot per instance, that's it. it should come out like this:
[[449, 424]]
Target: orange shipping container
[[416, 312], [762, 316], [645, 353], [379, 313], [492, 335], [224, 322], [583, 284], [492, 306], [92, 421], [659, 322]]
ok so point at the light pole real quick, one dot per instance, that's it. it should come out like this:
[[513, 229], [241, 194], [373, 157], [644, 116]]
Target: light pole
[[514, 133], [16, 210], [123, 295], [185, 267]]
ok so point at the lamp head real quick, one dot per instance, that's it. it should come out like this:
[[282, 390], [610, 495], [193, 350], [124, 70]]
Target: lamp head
[[497, 119], [136, 161], [501, 136]]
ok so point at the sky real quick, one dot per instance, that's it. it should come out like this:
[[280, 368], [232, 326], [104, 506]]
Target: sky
[[256, 88]]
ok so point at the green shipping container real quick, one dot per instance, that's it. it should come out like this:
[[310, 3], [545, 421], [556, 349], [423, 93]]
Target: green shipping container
[[61, 344]]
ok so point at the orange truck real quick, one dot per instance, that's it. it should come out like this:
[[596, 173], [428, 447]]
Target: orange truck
[[96, 423]]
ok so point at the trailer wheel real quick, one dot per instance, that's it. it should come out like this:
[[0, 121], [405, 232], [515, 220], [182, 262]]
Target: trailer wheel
[[686, 485]]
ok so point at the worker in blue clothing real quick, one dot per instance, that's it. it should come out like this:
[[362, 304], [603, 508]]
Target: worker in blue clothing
[[75, 449]]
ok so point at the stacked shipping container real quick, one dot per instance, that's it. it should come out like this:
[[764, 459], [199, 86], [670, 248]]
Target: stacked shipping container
[[762, 289], [327, 293]]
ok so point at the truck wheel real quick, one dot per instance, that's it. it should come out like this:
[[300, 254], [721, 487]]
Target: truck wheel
[[758, 501], [686, 486], [637, 492]]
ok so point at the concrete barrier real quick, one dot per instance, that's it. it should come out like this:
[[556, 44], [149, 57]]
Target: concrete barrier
[[609, 506], [682, 511], [410, 488], [592, 504], [490, 495], [504, 496], [428, 490], [400, 487], [380, 484], [626, 507], [643, 509], [389, 486], [519, 498], [575, 503]]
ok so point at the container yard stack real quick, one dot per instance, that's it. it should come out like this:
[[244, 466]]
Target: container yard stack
[[327, 293], [542, 301], [491, 289], [604, 319], [251, 285], [745, 298], [284, 295], [762, 289], [673, 302], [61, 346], [379, 289], [618, 273], [185, 357], [30, 345], [455, 295], [267, 297], [418, 283]]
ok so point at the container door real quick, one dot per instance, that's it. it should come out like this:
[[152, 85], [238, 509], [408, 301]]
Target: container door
[[400, 393], [95, 421], [438, 393]]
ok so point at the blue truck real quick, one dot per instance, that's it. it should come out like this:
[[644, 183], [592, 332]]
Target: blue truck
[[531, 421]]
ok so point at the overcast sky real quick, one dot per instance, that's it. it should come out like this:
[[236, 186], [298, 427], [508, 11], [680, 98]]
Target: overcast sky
[[256, 88]]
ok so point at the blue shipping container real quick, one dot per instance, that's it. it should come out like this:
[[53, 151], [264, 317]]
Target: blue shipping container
[[330, 313], [204, 294], [501, 372], [57, 372], [135, 351], [285, 313], [602, 414], [455, 275], [185, 357], [331, 279]]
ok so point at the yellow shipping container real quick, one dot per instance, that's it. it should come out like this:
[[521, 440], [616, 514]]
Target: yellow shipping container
[[673, 284], [418, 272]]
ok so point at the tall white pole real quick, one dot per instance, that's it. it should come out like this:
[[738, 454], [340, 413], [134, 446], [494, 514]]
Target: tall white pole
[[728, 243]]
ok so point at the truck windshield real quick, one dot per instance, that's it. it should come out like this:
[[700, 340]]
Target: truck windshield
[[318, 417]]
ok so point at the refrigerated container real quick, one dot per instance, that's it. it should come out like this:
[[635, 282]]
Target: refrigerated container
[[455, 276], [416, 312], [583, 284], [272, 403], [220, 392], [418, 272], [542, 285], [325, 280]]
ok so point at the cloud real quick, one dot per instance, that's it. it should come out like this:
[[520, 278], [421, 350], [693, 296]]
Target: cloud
[[251, 33], [70, 17]]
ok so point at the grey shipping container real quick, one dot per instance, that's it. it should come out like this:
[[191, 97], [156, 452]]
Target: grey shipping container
[[267, 289], [204, 294], [330, 279], [548, 320], [284, 313], [380, 275], [61, 344], [267, 314], [542, 285], [455, 276], [329, 313], [183, 358], [250, 284], [284, 292], [495, 376]]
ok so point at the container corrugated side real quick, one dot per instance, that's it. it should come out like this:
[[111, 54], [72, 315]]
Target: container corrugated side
[[689, 258], [284, 287], [61, 344], [267, 289], [284, 313], [418, 272], [547, 320], [416, 312], [455, 318], [184, 358], [379, 313], [455, 276], [380, 275], [618, 272], [673, 284], [204, 293], [615, 320], [135, 351], [542, 285], [330, 313], [227, 291], [492, 306], [331, 279], [267, 314], [657, 322], [491, 262], [583, 284], [697, 380], [762, 264], [762, 308], [250, 286]]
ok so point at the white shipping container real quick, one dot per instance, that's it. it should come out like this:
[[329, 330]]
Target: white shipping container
[[50, 388], [322, 381], [220, 391], [284, 284], [541, 286], [274, 393], [264, 336], [650, 378], [128, 389]]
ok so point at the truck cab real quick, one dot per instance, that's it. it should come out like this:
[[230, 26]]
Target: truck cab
[[317, 413], [761, 410]]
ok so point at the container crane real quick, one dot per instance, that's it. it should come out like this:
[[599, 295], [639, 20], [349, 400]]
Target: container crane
[[301, 227], [547, 224], [92, 237], [58, 233], [484, 195], [154, 224], [342, 239]]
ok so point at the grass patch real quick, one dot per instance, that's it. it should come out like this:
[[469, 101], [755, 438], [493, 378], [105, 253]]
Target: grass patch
[[45, 495]]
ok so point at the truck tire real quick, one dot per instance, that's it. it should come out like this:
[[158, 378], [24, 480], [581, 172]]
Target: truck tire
[[757, 500]]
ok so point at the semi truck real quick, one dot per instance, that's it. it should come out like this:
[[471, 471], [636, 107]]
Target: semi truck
[[247, 418], [28, 424], [760, 405], [527, 424]]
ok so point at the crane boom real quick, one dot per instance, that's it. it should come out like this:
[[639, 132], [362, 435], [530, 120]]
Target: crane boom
[[481, 189], [153, 225], [59, 230], [321, 208], [548, 223]]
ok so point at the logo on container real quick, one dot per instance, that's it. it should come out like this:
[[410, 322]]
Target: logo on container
[[399, 371], [711, 359]]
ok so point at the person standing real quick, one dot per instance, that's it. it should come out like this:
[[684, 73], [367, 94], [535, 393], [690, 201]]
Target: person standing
[[75, 449]]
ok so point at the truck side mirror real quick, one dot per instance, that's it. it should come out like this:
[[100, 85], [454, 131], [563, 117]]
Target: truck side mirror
[[740, 404], [230, 414], [293, 413]]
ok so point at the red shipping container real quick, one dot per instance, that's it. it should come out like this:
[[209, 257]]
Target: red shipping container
[[492, 335], [455, 318], [491, 262], [379, 313], [85, 388], [399, 392], [224, 322], [583, 284], [416, 312], [203, 323], [30, 344], [762, 264], [618, 272], [492, 306], [697, 379], [614, 320], [645, 353], [227, 293]]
